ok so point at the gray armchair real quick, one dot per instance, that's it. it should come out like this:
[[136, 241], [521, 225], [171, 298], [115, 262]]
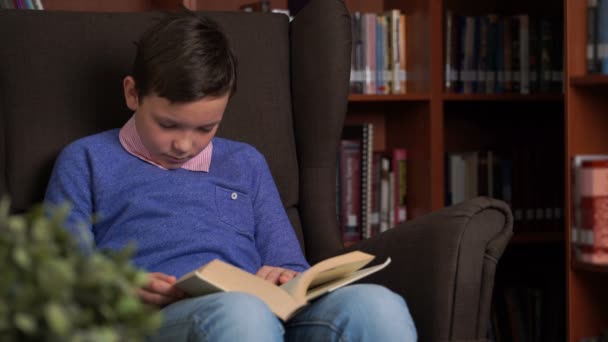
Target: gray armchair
[[60, 79]]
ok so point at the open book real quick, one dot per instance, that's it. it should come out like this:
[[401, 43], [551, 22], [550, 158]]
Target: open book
[[287, 299]]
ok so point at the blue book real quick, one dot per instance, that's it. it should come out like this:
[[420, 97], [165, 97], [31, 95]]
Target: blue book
[[602, 38]]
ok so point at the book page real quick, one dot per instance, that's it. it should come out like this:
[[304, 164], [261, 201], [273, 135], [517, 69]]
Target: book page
[[326, 271], [220, 276], [315, 292]]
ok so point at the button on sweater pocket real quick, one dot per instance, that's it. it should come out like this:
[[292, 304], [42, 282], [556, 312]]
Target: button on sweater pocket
[[235, 208]]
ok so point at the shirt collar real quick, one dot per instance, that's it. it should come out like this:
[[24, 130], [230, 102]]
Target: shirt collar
[[129, 139]]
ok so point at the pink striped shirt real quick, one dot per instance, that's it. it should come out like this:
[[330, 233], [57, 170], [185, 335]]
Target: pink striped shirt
[[129, 138]]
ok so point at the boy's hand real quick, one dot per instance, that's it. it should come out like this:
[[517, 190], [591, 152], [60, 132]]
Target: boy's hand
[[160, 290], [276, 275]]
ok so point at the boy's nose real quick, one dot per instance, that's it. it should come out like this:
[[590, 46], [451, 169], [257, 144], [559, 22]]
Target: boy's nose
[[182, 145]]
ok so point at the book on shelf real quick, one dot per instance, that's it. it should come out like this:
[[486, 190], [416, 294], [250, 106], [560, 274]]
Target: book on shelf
[[385, 194], [518, 177], [495, 54], [350, 189], [597, 36], [589, 231], [451, 76], [361, 135], [357, 67], [592, 33], [382, 57], [371, 192], [378, 60], [399, 71], [376, 195], [21, 4], [369, 52], [287, 299], [399, 160]]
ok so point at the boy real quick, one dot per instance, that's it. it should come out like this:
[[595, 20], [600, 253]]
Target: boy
[[152, 182]]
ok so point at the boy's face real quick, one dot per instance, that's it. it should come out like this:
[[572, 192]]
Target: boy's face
[[173, 133]]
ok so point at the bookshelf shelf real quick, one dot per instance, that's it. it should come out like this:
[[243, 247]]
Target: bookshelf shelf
[[589, 81], [504, 97], [584, 267], [537, 237], [388, 98]]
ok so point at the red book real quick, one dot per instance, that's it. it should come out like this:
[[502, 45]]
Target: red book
[[593, 189], [350, 190]]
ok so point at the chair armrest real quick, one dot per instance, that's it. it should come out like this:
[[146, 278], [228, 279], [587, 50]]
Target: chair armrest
[[443, 264]]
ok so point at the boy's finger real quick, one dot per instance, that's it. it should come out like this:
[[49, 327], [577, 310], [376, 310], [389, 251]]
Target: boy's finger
[[154, 298], [162, 276], [164, 288]]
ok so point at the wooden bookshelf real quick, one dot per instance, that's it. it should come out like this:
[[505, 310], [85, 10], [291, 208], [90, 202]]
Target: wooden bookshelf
[[589, 81], [504, 97], [388, 98], [587, 122], [432, 121]]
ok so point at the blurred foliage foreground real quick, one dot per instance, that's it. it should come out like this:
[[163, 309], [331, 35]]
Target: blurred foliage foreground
[[51, 289]]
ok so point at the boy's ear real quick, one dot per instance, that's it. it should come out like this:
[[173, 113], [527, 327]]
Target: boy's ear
[[130, 92]]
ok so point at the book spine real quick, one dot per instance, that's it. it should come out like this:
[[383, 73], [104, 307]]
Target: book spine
[[482, 54], [376, 193], [370, 52], [385, 194], [603, 35], [350, 190], [356, 76], [492, 41], [393, 47], [516, 61], [400, 189], [594, 211], [508, 51], [449, 65], [524, 54], [402, 72], [533, 53], [468, 73], [592, 27], [546, 39]]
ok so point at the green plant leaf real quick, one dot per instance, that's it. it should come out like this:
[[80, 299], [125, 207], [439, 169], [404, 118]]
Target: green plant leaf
[[56, 318], [17, 224], [128, 305], [26, 323], [52, 289], [22, 257]]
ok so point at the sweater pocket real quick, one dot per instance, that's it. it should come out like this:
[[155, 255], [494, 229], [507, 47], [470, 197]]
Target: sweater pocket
[[235, 209]]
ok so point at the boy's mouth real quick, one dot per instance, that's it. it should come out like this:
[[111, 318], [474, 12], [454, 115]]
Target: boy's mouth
[[174, 160]]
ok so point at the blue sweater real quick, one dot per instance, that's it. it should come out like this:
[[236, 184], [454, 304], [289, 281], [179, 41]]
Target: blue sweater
[[178, 219]]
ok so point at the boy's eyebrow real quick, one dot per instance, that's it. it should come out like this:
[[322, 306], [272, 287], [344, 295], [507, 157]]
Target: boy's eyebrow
[[212, 123], [162, 118]]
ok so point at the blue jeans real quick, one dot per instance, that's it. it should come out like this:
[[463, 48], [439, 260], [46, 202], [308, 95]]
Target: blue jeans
[[352, 313]]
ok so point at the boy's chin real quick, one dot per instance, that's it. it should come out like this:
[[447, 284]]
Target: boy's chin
[[170, 162], [170, 165]]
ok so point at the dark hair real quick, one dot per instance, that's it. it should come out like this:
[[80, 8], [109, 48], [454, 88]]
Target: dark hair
[[183, 58]]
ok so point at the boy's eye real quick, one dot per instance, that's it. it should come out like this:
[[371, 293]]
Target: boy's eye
[[166, 125], [205, 129]]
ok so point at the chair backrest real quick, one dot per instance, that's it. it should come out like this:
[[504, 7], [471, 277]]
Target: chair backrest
[[61, 78]]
